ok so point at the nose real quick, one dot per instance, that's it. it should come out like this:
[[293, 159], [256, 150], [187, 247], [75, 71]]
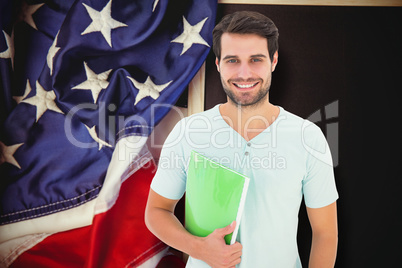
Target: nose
[[244, 71]]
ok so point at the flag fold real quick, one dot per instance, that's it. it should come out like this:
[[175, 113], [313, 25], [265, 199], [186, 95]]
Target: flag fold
[[83, 83]]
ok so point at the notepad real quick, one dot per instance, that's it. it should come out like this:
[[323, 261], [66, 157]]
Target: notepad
[[215, 197]]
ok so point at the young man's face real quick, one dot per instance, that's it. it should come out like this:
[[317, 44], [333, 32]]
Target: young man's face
[[245, 68]]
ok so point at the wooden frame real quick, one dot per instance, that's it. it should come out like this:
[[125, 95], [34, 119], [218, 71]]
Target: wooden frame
[[196, 92], [395, 3]]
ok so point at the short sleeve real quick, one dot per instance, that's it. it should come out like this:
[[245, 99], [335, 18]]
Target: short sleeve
[[170, 178], [319, 187]]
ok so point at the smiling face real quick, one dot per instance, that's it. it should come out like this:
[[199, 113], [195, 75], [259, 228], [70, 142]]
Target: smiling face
[[245, 68]]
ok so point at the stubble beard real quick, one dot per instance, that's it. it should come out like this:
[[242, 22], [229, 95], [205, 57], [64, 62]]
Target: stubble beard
[[244, 101]]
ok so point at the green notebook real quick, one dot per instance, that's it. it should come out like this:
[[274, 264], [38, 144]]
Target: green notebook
[[215, 197]]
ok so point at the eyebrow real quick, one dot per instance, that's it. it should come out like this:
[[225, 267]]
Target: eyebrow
[[258, 56], [252, 56], [229, 57]]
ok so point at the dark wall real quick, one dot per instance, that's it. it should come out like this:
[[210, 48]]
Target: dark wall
[[344, 64]]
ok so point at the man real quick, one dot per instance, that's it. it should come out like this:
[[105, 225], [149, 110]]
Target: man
[[285, 157]]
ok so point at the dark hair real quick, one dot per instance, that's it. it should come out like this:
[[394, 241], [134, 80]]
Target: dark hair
[[246, 22]]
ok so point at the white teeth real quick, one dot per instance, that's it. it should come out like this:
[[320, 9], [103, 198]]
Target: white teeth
[[245, 86]]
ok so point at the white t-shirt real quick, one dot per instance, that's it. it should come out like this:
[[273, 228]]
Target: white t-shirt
[[288, 160]]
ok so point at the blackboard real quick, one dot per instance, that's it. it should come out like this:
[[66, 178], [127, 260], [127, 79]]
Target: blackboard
[[341, 67]]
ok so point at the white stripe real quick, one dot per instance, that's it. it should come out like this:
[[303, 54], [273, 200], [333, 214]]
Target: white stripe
[[130, 152], [61, 221], [154, 260], [13, 248]]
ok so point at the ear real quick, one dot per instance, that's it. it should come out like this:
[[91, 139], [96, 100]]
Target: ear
[[217, 64], [275, 61]]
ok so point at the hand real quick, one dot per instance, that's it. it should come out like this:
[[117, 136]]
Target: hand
[[216, 253]]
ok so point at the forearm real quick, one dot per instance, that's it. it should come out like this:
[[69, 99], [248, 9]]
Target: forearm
[[165, 225], [323, 251], [162, 222]]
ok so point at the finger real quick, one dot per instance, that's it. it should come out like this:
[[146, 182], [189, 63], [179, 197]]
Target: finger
[[237, 254], [235, 262], [236, 247], [227, 229]]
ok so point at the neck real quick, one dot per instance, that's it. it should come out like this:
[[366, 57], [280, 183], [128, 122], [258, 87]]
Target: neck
[[249, 121]]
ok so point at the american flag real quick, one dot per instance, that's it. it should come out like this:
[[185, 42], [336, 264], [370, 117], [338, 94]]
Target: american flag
[[83, 83]]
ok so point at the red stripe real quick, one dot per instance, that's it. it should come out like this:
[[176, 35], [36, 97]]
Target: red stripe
[[116, 238]]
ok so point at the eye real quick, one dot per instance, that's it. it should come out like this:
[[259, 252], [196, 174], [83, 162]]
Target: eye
[[256, 60], [232, 61]]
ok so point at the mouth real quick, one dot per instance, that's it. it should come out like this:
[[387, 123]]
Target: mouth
[[245, 86]]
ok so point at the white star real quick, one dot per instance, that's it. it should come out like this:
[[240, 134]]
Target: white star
[[28, 89], [52, 52], [191, 35], [102, 21], [94, 136], [147, 89], [95, 82], [7, 154], [28, 11], [43, 100], [155, 4], [9, 52]]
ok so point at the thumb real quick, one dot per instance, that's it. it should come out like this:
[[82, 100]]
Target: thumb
[[227, 229]]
